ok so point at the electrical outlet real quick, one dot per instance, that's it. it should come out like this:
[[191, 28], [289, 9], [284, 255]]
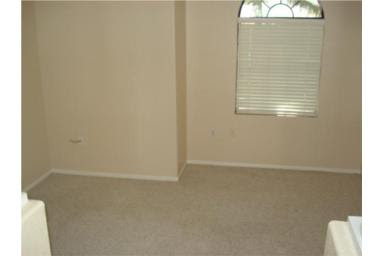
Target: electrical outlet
[[76, 140], [213, 132]]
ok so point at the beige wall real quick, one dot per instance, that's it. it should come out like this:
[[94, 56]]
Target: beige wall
[[332, 140], [108, 75], [116, 74], [181, 82], [35, 153]]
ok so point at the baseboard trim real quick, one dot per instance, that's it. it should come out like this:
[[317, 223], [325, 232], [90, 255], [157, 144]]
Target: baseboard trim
[[37, 181], [116, 175], [196, 162], [276, 167], [180, 173]]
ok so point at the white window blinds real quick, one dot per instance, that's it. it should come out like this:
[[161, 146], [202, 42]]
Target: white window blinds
[[279, 66]]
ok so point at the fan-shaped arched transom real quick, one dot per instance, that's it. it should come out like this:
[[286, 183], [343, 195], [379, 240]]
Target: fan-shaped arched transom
[[310, 9]]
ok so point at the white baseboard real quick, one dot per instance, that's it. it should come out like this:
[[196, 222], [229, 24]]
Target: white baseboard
[[181, 171], [276, 167], [37, 181], [176, 178], [116, 175]]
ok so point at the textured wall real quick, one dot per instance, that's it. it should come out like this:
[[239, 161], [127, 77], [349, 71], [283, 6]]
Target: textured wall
[[181, 82], [108, 75], [114, 73], [332, 140], [35, 153]]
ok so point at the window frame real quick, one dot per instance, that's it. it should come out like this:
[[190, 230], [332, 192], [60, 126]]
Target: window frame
[[239, 18], [314, 18]]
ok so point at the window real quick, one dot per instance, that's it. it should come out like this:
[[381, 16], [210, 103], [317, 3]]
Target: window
[[279, 57]]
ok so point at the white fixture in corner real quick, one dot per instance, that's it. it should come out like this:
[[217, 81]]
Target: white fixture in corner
[[24, 198], [34, 229], [343, 237], [356, 230]]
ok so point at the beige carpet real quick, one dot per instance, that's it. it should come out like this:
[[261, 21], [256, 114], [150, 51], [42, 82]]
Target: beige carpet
[[211, 211]]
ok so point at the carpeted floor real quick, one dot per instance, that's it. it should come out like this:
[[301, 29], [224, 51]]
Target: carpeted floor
[[211, 211]]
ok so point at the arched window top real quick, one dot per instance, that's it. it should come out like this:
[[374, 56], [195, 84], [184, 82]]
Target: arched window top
[[310, 9]]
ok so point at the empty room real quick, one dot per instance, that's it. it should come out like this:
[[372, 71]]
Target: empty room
[[191, 128]]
